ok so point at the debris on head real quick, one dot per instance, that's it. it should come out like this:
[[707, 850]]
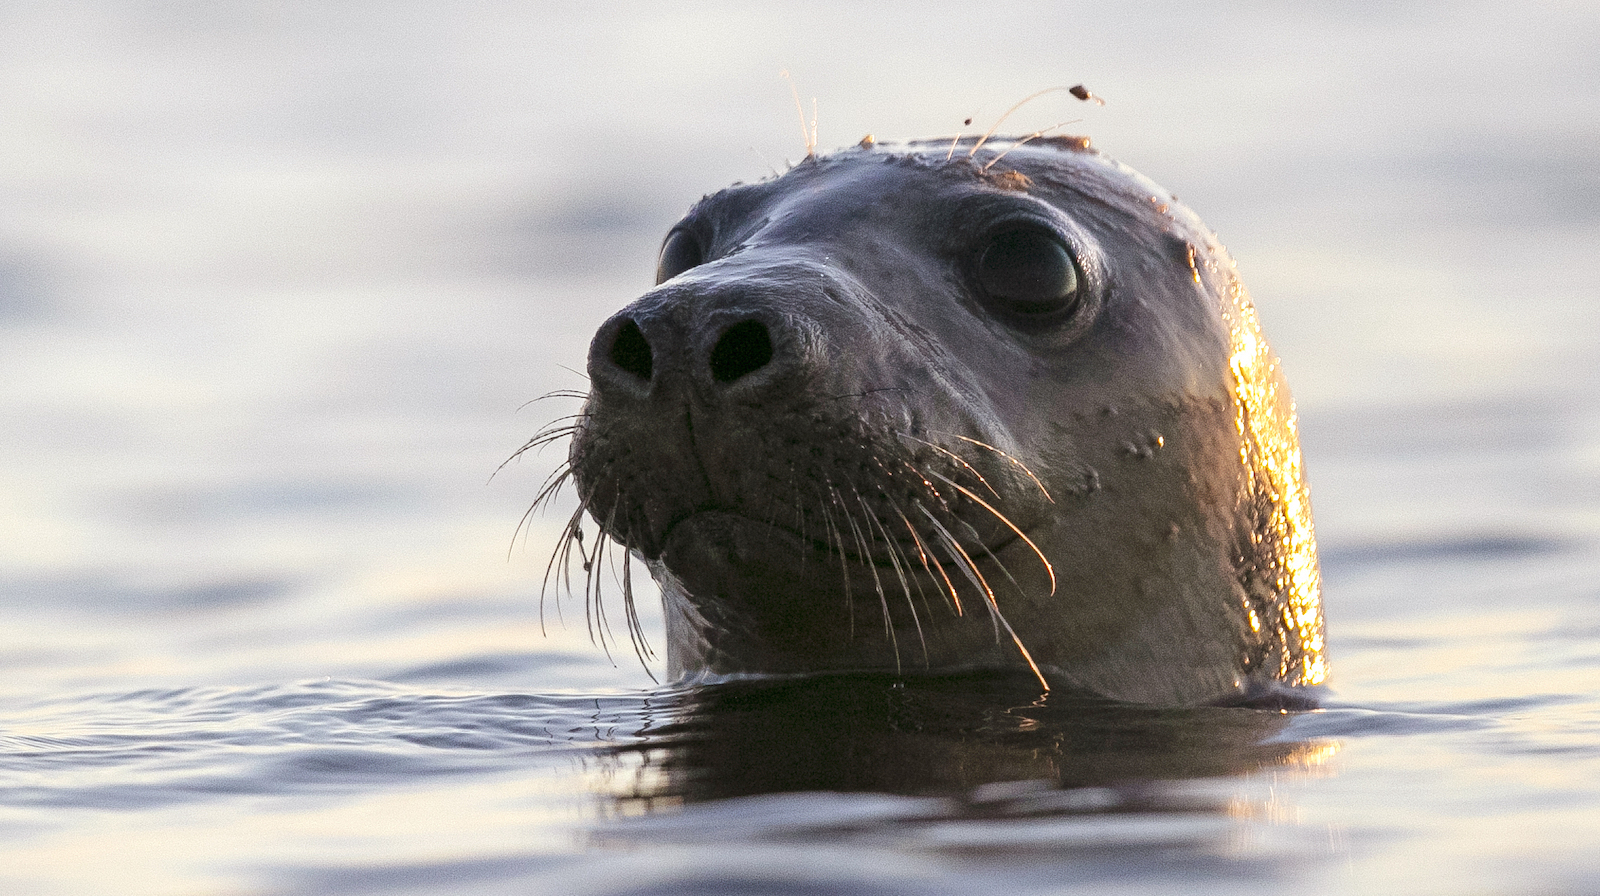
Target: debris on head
[[1074, 144], [1082, 93], [1010, 179]]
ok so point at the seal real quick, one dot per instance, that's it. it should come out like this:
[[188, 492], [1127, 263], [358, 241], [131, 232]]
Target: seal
[[984, 404]]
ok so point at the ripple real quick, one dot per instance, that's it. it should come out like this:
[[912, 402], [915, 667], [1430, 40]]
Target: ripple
[[151, 747]]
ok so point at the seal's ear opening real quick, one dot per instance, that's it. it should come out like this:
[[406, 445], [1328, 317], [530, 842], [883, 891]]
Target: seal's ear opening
[[1029, 271], [680, 251]]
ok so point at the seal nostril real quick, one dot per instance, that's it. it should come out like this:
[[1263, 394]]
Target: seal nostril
[[745, 348], [631, 351]]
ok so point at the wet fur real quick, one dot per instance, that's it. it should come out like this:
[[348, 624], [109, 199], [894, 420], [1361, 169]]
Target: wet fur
[[854, 516]]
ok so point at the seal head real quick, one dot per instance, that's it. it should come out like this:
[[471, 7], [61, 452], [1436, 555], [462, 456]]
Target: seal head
[[909, 409]]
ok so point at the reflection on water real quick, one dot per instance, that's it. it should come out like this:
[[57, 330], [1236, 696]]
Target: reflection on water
[[935, 736], [839, 783]]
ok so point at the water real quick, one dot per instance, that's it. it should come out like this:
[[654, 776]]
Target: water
[[275, 281]]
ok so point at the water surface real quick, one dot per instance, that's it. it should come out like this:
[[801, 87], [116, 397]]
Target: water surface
[[276, 282]]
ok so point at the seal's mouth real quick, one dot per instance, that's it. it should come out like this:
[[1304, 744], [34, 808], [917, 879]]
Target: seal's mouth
[[742, 538]]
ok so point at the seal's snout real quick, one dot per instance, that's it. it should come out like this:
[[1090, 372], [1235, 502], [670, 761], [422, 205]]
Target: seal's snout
[[716, 338], [632, 352], [743, 348]]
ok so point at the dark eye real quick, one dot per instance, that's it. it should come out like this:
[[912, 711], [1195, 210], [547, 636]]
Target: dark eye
[[680, 252], [1029, 271]]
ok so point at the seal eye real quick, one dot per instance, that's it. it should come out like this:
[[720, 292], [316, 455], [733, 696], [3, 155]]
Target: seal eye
[[680, 252], [1029, 270]]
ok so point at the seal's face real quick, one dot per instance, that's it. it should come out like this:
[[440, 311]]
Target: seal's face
[[904, 411]]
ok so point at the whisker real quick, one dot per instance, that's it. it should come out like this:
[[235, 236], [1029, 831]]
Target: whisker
[[550, 433], [1004, 570], [905, 586], [953, 456], [844, 560], [552, 484], [800, 520], [558, 393], [928, 562], [877, 582], [565, 571], [561, 557], [972, 571], [894, 545], [641, 646], [1019, 464], [547, 492], [593, 609], [1009, 524], [526, 516], [963, 562]]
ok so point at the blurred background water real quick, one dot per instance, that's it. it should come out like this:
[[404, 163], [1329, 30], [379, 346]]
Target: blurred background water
[[276, 281]]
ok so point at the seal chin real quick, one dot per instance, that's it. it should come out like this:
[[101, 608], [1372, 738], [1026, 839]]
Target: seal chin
[[723, 537], [749, 576]]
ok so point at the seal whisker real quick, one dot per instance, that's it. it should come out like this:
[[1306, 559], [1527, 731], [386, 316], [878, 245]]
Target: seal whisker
[[522, 523], [1019, 465], [964, 562], [593, 609], [561, 557], [900, 549], [953, 456], [555, 429], [864, 393], [973, 532], [547, 493], [549, 433], [641, 645], [1009, 524], [864, 555], [555, 393], [932, 489], [844, 556], [928, 561], [877, 581], [800, 518], [604, 559], [567, 432], [565, 571], [559, 570], [809, 134], [999, 618], [1004, 570], [905, 586], [895, 547], [552, 485]]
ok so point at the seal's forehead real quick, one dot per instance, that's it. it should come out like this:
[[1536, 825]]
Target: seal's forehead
[[930, 173], [845, 179]]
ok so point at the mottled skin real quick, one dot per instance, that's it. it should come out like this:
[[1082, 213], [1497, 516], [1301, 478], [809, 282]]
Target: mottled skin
[[829, 506]]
